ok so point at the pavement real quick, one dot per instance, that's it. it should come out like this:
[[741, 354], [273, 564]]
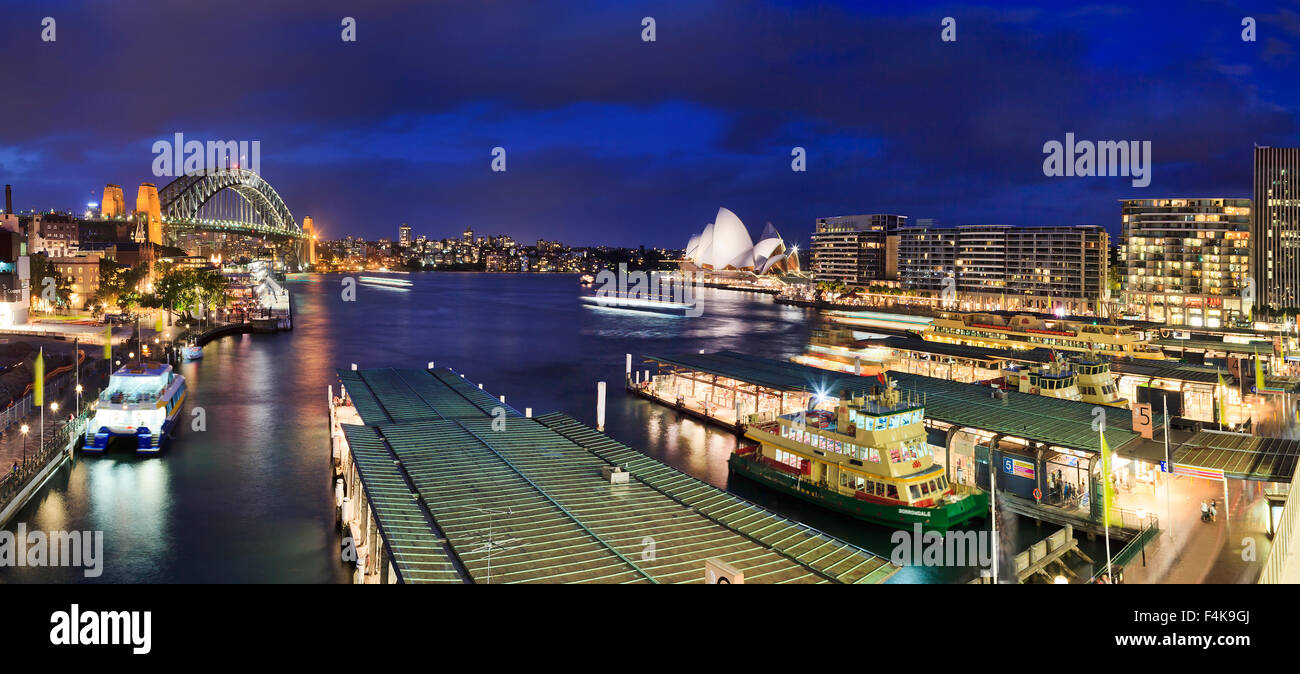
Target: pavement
[[11, 440], [1229, 550]]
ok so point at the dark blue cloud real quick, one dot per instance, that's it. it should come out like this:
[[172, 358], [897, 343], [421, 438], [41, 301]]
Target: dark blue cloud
[[612, 140]]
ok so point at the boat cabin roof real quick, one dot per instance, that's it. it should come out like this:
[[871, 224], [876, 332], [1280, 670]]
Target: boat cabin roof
[[146, 369]]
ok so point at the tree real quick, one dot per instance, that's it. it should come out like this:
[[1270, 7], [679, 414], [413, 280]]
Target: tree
[[43, 269]]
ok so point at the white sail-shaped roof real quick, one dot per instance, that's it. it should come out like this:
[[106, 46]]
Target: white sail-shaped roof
[[692, 247], [732, 246]]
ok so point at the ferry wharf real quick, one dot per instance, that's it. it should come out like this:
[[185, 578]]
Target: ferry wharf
[[437, 481], [1046, 451], [1029, 438]]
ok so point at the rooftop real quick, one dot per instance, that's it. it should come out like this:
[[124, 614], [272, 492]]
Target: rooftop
[[450, 484], [1052, 421]]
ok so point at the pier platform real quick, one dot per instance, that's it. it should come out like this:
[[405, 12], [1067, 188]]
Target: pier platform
[[442, 483]]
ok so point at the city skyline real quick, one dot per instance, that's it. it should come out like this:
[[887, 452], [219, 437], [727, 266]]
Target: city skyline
[[643, 150]]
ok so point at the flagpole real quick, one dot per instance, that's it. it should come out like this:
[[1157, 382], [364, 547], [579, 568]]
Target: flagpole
[[1169, 470]]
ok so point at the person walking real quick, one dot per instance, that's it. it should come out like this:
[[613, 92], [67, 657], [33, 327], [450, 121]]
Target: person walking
[[1214, 510]]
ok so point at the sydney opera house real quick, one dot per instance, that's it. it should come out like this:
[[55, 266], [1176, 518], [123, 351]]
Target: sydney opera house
[[725, 245]]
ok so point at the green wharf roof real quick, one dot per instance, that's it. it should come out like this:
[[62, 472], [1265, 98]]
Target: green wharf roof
[[1240, 456], [1052, 421], [462, 496]]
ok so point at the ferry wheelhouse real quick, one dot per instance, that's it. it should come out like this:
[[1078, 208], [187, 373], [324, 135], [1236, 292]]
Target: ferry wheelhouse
[[868, 458], [1052, 380], [142, 402], [1097, 383], [1029, 332]]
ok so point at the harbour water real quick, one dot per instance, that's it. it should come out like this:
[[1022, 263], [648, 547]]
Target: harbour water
[[249, 498]]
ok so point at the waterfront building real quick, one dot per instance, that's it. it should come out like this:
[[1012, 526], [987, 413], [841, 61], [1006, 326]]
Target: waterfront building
[[1275, 227], [15, 280], [856, 249], [404, 236], [1000, 266], [83, 273], [54, 234], [1185, 261], [926, 256]]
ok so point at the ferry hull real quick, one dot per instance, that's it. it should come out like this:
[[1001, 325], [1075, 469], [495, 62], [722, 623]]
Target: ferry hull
[[146, 441], [940, 518]]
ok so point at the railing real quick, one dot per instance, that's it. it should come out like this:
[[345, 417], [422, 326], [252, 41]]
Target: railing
[[16, 479], [1288, 527], [1148, 528]]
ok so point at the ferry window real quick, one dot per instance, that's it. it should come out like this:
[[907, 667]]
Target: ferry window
[[892, 492], [916, 493], [894, 456], [880, 489], [844, 480], [943, 483], [882, 423], [873, 455], [925, 488], [870, 488], [859, 484]]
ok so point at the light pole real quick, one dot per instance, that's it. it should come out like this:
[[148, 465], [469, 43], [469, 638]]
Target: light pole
[[490, 512], [23, 429]]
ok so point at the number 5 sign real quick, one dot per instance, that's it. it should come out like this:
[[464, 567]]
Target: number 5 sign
[[1142, 419]]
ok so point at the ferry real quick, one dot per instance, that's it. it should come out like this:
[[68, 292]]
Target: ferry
[[845, 350], [642, 304], [1030, 332], [385, 282], [1097, 382], [868, 459], [1051, 380], [191, 352], [142, 401]]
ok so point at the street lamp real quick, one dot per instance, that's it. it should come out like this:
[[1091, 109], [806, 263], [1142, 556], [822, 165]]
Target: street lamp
[[24, 430], [78, 389]]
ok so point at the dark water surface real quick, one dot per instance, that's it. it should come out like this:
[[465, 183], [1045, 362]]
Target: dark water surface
[[250, 498]]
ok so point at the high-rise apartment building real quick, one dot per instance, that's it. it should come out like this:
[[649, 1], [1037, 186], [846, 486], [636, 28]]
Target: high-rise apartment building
[[404, 236], [857, 249], [1186, 261], [1275, 227], [1000, 266]]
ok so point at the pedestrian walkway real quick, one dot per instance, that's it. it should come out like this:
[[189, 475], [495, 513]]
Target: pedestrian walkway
[[1190, 550]]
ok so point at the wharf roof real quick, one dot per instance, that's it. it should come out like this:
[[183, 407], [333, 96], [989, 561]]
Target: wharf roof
[[1240, 456], [450, 484], [1052, 421], [1168, 370]]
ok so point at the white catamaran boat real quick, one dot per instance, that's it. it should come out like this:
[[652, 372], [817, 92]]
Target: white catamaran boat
[[142, 401]]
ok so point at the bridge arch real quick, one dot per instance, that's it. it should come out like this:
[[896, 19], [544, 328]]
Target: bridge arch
[[182, 198]]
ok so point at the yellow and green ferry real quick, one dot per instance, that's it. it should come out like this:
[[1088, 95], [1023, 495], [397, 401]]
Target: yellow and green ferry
[[868, 458]]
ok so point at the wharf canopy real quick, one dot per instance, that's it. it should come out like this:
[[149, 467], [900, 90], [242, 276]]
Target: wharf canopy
[[725, 244]]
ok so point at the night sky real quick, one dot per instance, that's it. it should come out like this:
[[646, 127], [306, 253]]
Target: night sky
[[612, 140]]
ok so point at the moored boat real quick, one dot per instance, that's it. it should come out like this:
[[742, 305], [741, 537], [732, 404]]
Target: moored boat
[[142, 401], [1030, 332], [191, 352], [868, 458]]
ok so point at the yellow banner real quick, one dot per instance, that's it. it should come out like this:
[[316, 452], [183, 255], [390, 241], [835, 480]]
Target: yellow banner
[[38, 386], [108, 344], [1108, 490]]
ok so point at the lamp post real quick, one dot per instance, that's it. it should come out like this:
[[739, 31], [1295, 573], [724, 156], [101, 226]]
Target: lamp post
[[24, 430]]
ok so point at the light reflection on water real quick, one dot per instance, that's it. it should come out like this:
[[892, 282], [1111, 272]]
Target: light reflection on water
[[250, 499]]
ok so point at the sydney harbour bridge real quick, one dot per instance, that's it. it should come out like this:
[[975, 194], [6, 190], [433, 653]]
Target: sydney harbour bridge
[[224, 201]]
